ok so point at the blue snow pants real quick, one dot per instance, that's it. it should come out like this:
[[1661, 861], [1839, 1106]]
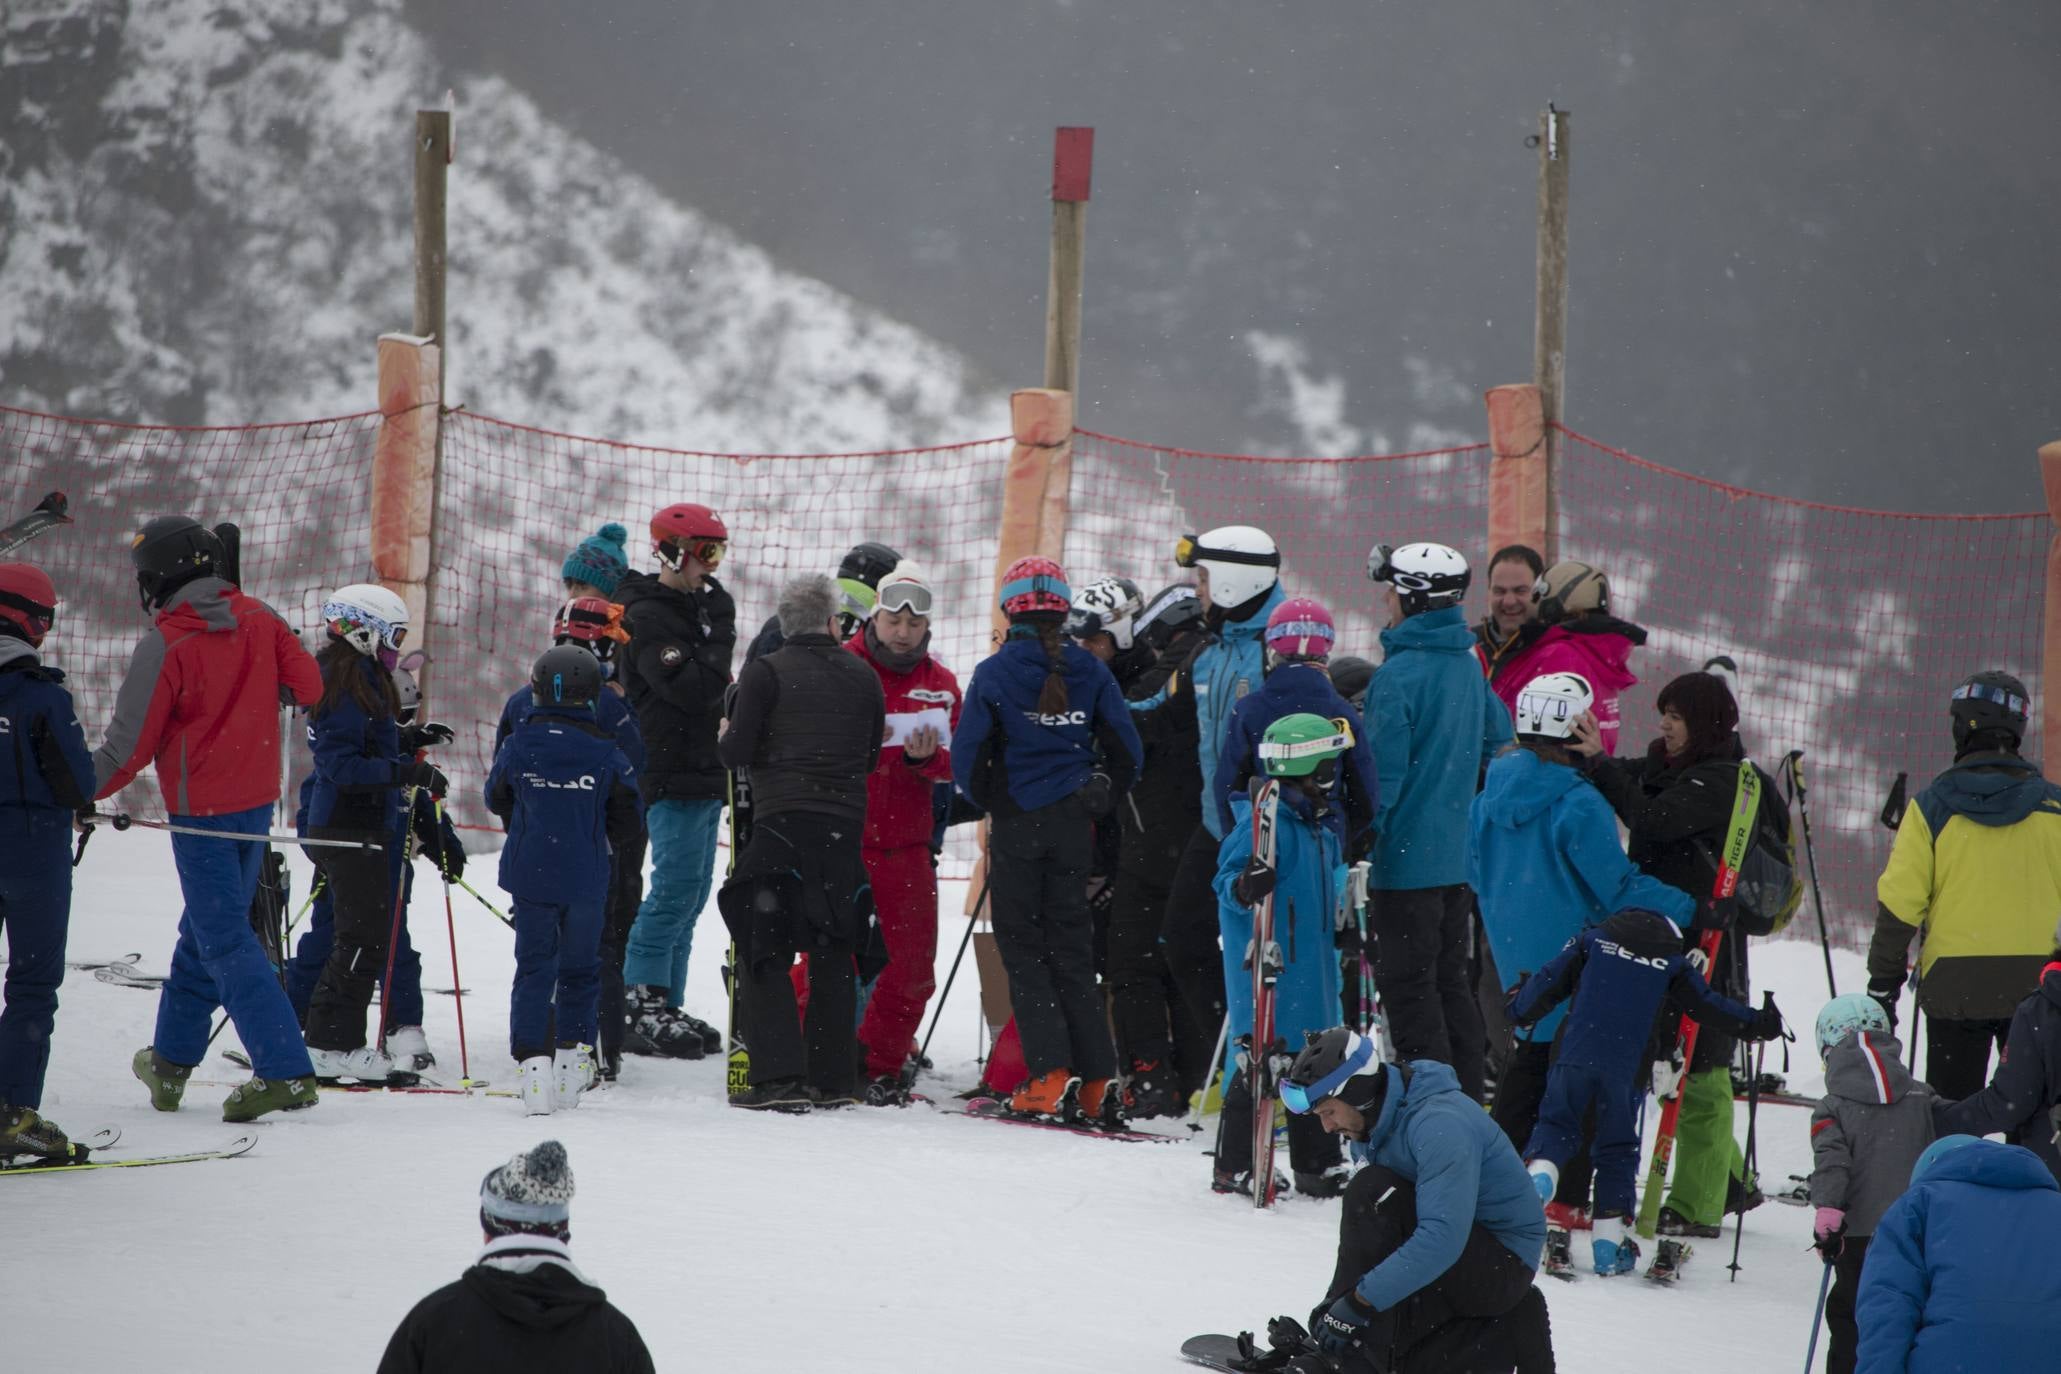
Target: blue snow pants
[[218, 961], [311, 952], [683, 861], [557, 975], [1570, 1088], [35, 908]]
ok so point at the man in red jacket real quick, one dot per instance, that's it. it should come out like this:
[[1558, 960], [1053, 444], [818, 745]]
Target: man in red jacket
[[201, 701], [922, 710]]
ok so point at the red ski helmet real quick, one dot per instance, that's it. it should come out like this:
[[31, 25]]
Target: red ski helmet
[[688, 528], [1300, 630], [28, 600], [1035, 586]]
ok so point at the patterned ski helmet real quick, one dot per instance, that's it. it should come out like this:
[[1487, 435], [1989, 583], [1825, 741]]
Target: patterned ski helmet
[[1548, 704], [1107, 606], [370, 619], [1300, 630], [1297, 746], [1842, 1016], [1035, 586]]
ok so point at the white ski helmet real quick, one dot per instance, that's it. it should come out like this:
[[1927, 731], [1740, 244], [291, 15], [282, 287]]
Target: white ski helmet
[[1426, 576], [1547, 705], [1108, 606], [1842, 1016], [1243, 562], [368, 618]]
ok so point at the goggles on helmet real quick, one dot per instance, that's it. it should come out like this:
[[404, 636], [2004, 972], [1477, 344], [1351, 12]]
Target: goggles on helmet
[[1190, 550], [1984, 691]]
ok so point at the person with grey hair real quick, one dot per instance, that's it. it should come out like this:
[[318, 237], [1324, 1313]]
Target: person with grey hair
[[808, 720], [523, 1305]]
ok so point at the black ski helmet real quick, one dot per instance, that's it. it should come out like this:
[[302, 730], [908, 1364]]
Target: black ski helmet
[[1990, 701], [169, 552], [868, 563], [1339, 1063], [1350, 675], [1170, 611], [566, 675]]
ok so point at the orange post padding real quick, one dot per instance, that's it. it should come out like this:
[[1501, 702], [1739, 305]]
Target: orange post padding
[[404, 472], [2050, 619], [1034, 487], [1517, 468]]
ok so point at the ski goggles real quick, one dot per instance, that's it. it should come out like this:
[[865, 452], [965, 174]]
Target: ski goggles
[[589, 626], [912, 597], [854, 598], [707, 552], [1337, 742], [1302, 1098], [1983, 691], [1189, 550]]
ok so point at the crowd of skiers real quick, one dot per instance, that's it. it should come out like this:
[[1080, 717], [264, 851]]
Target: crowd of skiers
[[1457, 860]]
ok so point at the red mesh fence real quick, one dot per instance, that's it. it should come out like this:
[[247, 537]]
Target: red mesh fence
[[1130, 500], [1850, 629], [300, 492]]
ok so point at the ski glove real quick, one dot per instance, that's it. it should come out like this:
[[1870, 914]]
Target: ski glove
[[1885, 991], [1338, 1329], [425, 736], [1767, 1023], [1255, 884], [1101, 897], [1097, 794], [1667, 1074], [450, 857], [425, 776], [1828, 1233]]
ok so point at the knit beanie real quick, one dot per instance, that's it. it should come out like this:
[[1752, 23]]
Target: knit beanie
[[602, 560], [531, 1192]]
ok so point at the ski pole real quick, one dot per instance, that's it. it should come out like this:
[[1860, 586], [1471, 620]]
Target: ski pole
[[484, 902], [1751, 1155], [1793, 764], [315, 889], [451, 929], [121, 821], [1817, 1319], [979, 904], [393, 934]]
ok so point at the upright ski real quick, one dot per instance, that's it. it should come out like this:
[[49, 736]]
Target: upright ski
[[736, 1054], [1265, 961], [49, 513]]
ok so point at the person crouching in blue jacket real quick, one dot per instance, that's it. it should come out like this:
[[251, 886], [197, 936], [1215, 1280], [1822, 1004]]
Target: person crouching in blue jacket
[[568, 797], [1965, 1269], [1440, 1235], [1618, 974], [1301, 751], [1046, 746], [1544, 861]]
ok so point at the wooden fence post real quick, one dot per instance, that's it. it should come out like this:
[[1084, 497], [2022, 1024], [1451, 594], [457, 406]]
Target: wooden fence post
[[1549, 336], [2050, 619]]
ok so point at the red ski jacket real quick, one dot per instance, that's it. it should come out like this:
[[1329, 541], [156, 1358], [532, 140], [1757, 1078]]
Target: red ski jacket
[[202, 699], [898, 794]]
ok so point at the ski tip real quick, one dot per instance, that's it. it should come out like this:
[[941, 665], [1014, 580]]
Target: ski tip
[[57, 504]]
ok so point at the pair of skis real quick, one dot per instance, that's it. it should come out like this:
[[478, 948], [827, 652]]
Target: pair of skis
[[83, 1150], [1263, 958]]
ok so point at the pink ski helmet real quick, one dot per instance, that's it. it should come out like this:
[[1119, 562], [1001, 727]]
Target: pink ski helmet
[[1035, 586], [1300, 630]]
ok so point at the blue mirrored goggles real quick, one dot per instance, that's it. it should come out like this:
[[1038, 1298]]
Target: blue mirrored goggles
[[1296, 1098], [1983, 691]]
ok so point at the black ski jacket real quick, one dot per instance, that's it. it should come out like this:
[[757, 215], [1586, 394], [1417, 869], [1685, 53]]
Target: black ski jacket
[[522, 1308], [1162, 810], [807, 720], [675, 669]]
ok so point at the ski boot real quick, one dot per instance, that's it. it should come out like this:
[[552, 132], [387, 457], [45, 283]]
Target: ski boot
[[711, 1038], [1743, 1197], [26, 1138], [253, 1099], [166, 1080], [1613, 1249], [537, 1086], [778, 1095], [1568, 1217], [1240, 1182], [1048, 1097], [830, 1099], [409, 1049], [654, 1030], [1153, 1091], [1673, 1223], [572, 1073], [1667, 1265], [1101, 1105], [888, 1090], [1559, 1262], [367, 1064], [609, 1066]]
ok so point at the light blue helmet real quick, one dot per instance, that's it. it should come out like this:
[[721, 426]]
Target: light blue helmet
[[1946, 1144], [1842, 1016]]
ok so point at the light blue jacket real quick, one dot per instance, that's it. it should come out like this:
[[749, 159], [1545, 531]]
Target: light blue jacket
[[1229, 667], [1311, 876]]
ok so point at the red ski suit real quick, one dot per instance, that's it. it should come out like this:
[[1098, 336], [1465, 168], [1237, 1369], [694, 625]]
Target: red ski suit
[[201, 700], [896, 847]]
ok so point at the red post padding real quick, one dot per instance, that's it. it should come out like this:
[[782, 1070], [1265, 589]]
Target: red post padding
[[1073, 159]]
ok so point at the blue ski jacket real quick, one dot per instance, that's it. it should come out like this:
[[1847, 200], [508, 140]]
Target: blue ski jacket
[[611, 712], [357, 764], [566, 793], [1287, 690], [1435, 724], [1543, 858], [1227, 669], [1465, 1170], [1618, 974], [1005, 752], [1965, 1268], [46, 771], [1310, 876]]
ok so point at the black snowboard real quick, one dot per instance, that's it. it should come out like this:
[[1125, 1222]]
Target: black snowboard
[[1213, 1352]]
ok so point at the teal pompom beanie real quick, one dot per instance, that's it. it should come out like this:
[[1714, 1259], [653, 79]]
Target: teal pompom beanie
[[603, 559]]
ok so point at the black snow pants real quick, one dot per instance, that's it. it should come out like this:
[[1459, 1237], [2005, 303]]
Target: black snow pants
[[1192, 947], [625, 894], [1421, 936], [362, 896], [1038, 866]]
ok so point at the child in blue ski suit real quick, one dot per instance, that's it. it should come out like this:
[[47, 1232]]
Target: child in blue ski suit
[[568, 795], [1618, 974], [1306, 878], [48, 777]]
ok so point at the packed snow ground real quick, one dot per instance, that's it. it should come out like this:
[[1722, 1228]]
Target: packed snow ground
[[859, 1240]]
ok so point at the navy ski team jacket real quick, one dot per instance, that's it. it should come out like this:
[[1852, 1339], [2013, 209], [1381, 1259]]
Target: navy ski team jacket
[[45, 771], [1007, 753], [611, 712], [567, 794], [1619, 973]]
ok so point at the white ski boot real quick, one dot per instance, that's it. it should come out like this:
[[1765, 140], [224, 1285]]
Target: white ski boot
[[572, 1073], [365, 1064], [539, 1092], [409, 1049]]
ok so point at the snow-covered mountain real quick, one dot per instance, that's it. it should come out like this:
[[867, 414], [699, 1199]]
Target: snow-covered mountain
[[205, 218]]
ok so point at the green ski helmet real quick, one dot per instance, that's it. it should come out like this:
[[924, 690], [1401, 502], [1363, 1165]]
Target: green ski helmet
[[1300, 745]]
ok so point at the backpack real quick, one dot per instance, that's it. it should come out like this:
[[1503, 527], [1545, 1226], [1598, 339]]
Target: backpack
[[1770, 888]]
